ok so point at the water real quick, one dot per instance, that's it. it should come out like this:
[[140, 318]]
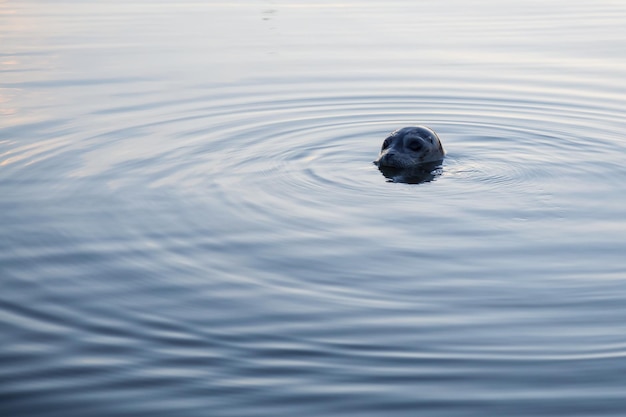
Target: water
[[192, 224]]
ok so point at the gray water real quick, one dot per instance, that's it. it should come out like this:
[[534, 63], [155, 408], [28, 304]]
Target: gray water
[[191, 223]]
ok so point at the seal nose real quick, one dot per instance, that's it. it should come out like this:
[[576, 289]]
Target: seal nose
[[386, 158]]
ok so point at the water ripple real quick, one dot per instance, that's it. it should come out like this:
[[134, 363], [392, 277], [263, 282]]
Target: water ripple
[[193, 225]]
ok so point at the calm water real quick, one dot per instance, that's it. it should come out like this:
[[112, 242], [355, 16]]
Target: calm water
[[192, 224]]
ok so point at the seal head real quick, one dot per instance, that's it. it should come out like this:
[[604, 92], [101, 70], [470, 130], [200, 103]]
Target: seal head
[[410, 147]]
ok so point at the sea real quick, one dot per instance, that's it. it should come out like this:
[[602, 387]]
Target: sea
[[191, 224]]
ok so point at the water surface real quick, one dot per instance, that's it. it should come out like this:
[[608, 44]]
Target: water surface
[[192, 224]]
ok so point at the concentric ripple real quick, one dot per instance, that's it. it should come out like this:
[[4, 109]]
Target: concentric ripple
[[295, 168]]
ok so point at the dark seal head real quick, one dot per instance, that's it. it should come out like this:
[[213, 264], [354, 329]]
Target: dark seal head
[[410, 147]]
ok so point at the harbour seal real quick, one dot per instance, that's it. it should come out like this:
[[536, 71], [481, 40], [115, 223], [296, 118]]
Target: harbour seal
[[410, 147]]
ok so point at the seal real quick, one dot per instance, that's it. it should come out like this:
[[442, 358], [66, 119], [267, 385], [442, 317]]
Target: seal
[[410, 147]]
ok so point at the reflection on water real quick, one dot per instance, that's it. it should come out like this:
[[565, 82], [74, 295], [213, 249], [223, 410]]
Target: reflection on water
[[416, 175], [192, 224]]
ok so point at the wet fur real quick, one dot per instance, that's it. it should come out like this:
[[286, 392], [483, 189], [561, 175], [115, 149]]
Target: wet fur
[[410, 147]]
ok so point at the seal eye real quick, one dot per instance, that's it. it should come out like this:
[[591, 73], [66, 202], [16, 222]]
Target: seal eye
[[415, 145], [386, 144]]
